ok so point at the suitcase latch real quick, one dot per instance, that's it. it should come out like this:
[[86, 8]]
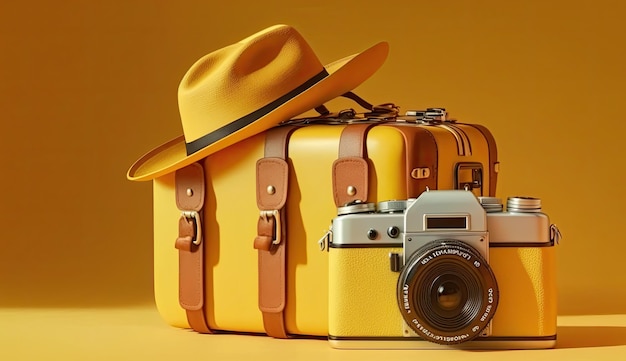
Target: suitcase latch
[[469, 176], [420, 173], [428, 116]]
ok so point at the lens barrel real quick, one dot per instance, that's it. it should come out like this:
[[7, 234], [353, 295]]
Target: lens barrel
[[447, 293]]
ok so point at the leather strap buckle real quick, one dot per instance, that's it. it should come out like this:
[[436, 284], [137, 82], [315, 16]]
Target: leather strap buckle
[[190, 193], [195, 217], [274, 213]]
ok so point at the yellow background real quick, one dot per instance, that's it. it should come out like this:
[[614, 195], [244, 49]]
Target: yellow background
[[86, 87]]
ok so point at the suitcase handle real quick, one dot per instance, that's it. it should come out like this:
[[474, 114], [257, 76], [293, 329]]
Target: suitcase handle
[[376, 113]]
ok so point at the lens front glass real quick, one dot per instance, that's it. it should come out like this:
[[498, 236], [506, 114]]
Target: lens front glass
[[446, 292], [450, 297]]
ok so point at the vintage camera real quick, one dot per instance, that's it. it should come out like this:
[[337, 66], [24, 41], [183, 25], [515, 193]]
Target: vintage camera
[[447, 269]]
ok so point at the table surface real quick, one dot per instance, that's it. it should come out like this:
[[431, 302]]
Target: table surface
[[138, 333]]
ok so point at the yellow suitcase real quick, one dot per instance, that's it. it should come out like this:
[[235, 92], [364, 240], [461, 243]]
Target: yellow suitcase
[[322, 167]]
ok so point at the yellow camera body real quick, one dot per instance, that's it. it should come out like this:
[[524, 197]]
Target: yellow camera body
[[367, 304]]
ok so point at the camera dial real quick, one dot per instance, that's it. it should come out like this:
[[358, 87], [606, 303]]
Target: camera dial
[[356, 207], [523, 204], [491, 204], [392, 206]]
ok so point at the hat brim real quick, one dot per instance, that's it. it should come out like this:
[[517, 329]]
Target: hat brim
[[343, 76]]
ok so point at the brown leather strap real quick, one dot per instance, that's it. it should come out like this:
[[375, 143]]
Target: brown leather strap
[[493, 158], [190, 244], [383, 112], [360, 101], [271, 240], [322, 110], [351, 169]]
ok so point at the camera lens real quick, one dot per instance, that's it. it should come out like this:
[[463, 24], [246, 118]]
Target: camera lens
[[448, 296], [447, 292]]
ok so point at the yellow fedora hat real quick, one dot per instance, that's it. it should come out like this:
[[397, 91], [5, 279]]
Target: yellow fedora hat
[[248, 87]]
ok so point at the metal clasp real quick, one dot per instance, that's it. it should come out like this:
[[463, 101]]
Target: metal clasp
[[266, 215], [195, 217], [469, 176], [428, 116], [420, 173], [326, 240], [555, 234]]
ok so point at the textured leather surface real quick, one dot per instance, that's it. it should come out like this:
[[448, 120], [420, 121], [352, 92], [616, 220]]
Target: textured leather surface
[[165, 256], [351, 169], [362, 293], [190, 272], [265, 234], [527, 281], [272, 172], [422, 153], [353, 141], [363, 302], [272, 280], [186, 233], [190, 193], [350, 172], [274, 323], [493, 157], [190, 187]]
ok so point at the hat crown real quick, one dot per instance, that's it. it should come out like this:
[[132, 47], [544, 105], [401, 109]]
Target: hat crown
[[248, 87], [239, 79]]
